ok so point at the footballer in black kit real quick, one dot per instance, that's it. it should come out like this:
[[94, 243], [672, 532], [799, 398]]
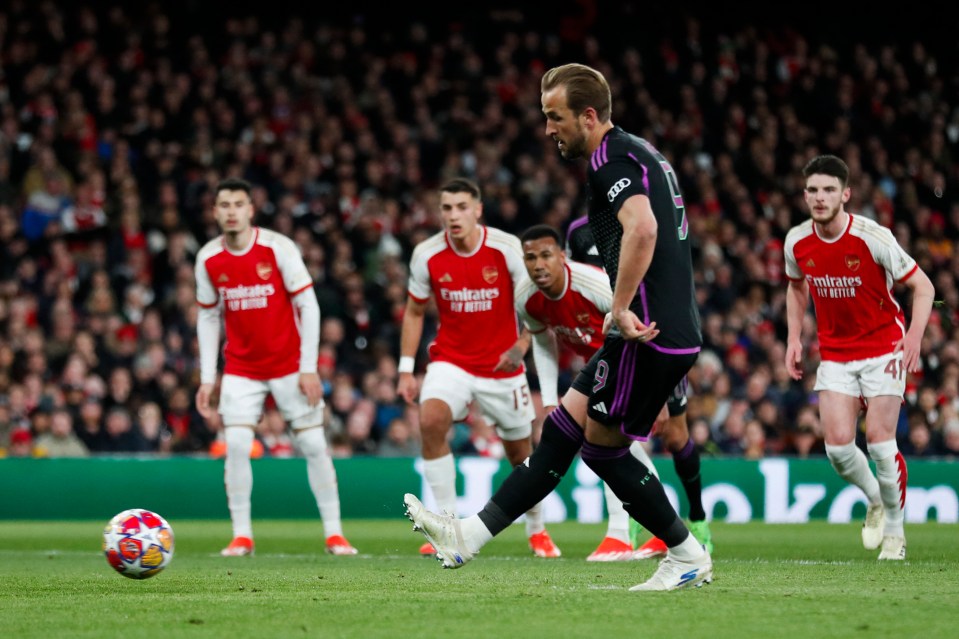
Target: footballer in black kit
[[628, 382], [580, 247]]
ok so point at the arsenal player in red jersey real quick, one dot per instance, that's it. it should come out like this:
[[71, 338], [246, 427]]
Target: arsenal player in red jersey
[[849, 264], [256, 281], [470, 270]]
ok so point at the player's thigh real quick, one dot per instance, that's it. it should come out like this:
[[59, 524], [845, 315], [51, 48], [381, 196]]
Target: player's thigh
[[575, 402], [838, 413], [883, 382], [241, 400], [507, 402], [293, 403], [451, 385]]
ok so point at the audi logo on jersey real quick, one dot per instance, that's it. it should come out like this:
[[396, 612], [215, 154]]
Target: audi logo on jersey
[[617, 188]]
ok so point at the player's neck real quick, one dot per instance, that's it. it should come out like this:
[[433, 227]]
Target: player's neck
[[468, 244], [239, 240], [559, 287], [834, 227], [596, 137]]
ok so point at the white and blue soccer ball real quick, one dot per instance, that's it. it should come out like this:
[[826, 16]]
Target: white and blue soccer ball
[[138, 543]]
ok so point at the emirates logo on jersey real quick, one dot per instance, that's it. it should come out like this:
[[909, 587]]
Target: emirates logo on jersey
[[490, 273], [264, 270], [853, 262]]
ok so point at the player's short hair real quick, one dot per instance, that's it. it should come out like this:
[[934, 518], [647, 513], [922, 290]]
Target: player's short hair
[[541, 231], [585, 87], [827, 165], [234, 184], [462, 185]]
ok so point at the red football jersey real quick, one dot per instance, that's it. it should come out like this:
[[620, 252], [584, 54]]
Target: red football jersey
[[850, 279], [255, 288], [474, 296], [576, 316]]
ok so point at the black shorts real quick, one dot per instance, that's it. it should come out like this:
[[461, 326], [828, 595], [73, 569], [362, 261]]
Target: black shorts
[[628, 382]]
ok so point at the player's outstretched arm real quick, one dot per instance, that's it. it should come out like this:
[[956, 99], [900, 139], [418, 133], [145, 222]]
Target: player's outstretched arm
[[923, 293], [208, 339], [410, 335], [797, 300]]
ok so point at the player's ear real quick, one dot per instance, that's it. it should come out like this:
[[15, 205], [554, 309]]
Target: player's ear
[[846, 194]]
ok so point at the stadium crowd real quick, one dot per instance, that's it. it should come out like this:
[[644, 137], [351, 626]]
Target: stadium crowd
[[117, 121]]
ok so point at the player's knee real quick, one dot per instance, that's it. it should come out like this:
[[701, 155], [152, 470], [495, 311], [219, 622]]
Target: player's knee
[[433, 430], [879, 451], [239, 441], [311, 442], [674, 434], [841, 455]]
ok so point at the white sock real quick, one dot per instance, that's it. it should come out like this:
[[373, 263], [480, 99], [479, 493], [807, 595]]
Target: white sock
[[475, 533], [322, 478], [238, 477], [689, 550], [617, 525], [637, 450], [891, 474], [440, 474], [534, 520], [851, 464]]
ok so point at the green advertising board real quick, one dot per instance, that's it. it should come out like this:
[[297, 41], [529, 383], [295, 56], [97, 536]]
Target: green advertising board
[[774, 490]]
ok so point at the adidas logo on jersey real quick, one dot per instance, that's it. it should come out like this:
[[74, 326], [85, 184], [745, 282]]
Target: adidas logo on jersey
[[810, 264], [592, 250], [446, 278], [601, 408], [223, 278]]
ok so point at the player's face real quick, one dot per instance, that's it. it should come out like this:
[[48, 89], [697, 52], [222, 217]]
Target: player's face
[[565, 127], [234, 211], [825, 197], [545, 261], [461, 213]]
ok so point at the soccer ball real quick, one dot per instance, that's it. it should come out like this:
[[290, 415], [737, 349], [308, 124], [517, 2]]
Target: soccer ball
[[138, 543]]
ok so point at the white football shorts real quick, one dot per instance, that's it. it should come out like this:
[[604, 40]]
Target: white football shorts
[[241, 401], [506, 401], [867, 378]]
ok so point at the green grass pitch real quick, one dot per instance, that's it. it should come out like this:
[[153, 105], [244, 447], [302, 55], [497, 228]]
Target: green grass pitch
[[808, 580]]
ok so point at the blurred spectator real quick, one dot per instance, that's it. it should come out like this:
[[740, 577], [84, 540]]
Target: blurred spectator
[[156, 435], [21, 443], [121, 434], [61, 440], [273, 432], [399, 440]]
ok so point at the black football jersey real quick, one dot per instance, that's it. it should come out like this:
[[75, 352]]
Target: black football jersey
[[625, 165]]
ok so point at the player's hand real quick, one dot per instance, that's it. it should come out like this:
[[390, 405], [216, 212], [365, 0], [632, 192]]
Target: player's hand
[[631, 328], [311, 387], [407, 387], [910, 347], [510, 360], [607, 323], [203, 401], [794, 359]]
